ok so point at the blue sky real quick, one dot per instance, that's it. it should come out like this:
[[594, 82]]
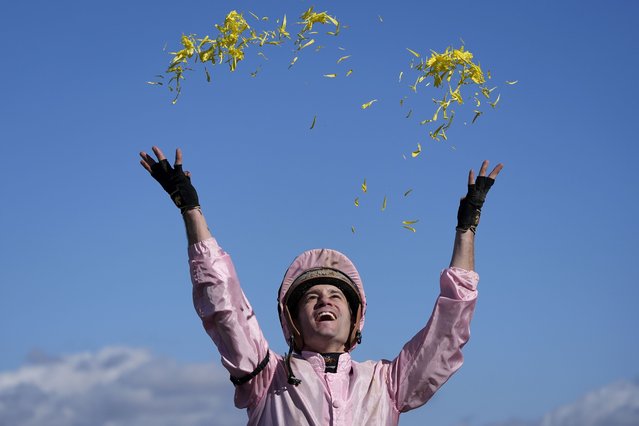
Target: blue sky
[[94, 253]]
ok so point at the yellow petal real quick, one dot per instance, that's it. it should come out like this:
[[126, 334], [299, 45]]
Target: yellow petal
[[409, 113], [417, 151], [408, 192], [512, 82], [353, 229], [380, 18], [413, 52], [308, 43], [477, 114], [313, 123], [409, 222], [364, 186], [356, 201], [401, 73], [292, 62], [349, 72], [330, 75], [384, 203], [343, 58], [410, 228], [368, 104], [493, 104]]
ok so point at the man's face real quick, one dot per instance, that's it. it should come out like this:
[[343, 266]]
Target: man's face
[[324, 319]]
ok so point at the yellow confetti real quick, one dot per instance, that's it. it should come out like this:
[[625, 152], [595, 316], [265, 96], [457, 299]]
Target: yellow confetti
[[417, 151], [417, 55], [356, 201], [330, 75], [313, 123], [494, 104], [343, 58], [410, 228], [384, 203], [477, 114], [292, 62], [353, 229], [364, 186], [408, 192], [409, 222], [254, 15], [308, 43], [512, 82], [368, 104], [349, 72]]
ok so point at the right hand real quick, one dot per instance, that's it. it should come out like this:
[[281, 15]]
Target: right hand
[[174, 181]]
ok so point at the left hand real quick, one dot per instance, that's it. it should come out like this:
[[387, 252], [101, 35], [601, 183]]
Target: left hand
[[470, 206]]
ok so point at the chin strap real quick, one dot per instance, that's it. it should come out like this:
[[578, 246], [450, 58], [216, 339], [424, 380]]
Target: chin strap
[[292, 380], [237, 381]]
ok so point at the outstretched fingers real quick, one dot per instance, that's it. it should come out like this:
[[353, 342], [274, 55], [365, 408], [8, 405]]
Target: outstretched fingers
[[496, 171], [471, 177], [178, 157]]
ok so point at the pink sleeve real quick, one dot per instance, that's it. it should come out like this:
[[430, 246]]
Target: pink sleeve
[[429, 359], [228, 318]]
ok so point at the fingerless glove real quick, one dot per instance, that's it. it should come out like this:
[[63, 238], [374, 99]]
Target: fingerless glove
[[176, 184]]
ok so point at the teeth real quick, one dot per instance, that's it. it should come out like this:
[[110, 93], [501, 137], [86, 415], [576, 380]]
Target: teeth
[[324, 314]]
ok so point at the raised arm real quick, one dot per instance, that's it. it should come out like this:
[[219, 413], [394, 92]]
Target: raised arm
[[468, 216], [226, 314], [431, 357]]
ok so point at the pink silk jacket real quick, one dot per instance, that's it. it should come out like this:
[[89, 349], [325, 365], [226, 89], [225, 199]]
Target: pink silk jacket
[[366, 393]]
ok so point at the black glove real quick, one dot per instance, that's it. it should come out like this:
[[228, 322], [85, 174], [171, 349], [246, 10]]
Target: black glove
[[177, 184], [470, 206]]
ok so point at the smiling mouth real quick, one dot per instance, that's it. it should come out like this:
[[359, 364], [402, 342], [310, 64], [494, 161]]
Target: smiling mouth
[[326, 316]]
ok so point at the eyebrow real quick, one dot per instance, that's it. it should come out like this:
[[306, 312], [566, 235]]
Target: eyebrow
[[331, 291]]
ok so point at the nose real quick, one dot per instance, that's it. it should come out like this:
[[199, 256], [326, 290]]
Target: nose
[[324, 299]]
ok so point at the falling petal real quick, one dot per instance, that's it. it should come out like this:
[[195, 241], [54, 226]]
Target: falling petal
[[330, 75], [493, 104], [384, 203], [262, 55], [409, 222], [153, 83], [349, 72], [356, 201], [477, 114], [343, 58], [417, 151], [292, 62], [208, 76], [512, 82], [401, 73], [413, 52], [368, 104], [308, 43], [353, 229], [410, 228], [380, 18], [364, 186], [409, 113], [408, 192], [340, 48], [313, 123], [254, 15]]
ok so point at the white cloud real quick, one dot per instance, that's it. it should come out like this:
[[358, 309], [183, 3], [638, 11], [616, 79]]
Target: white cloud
[[117, 387], [616, 404]]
